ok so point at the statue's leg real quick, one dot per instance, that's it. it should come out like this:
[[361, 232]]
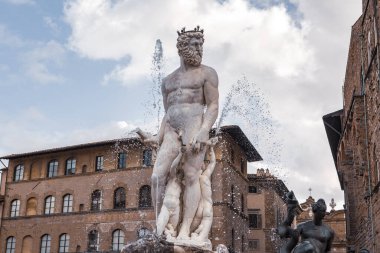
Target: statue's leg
[[198, 217], [192, 194], [162, 220], [207, 207], [166, 154], [174, 219]]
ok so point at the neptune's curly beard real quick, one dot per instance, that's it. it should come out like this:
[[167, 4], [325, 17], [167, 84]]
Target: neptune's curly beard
[[192, 57]]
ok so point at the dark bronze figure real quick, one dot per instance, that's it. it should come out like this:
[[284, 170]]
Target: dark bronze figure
[[309, 237]]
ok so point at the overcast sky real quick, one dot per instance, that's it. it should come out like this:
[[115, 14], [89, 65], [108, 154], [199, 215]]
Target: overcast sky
[[76, 71]]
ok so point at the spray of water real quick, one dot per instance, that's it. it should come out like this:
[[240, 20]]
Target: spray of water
[[246, 106], [153, 106]]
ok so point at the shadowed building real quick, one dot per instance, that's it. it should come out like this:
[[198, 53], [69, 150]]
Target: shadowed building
[[97, 196], [266, 210], [353, 133]]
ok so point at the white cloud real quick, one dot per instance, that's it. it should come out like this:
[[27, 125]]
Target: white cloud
[[39, 61], [264, 40], [298, 65]]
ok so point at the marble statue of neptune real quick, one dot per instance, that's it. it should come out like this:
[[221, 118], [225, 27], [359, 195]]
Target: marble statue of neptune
[[190, 97]]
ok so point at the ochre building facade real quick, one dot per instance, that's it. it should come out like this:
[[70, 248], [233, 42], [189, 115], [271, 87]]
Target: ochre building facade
[[97, 196], [266, 210]]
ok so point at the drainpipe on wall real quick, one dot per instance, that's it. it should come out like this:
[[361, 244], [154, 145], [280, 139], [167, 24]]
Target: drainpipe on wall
[[363, 90], [377, 40]]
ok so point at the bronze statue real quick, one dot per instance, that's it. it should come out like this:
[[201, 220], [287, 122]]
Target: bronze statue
[[316, 237]]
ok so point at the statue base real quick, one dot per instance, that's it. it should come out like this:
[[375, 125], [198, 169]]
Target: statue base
[[160, 244]]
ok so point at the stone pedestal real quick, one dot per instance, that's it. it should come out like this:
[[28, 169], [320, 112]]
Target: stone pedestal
[[158, 244]]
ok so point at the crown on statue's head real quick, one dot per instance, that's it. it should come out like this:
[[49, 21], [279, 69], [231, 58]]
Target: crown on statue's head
[[183, 30]]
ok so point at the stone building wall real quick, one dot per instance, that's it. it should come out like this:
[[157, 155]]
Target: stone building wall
[[358, 149], [29, 227], [268, 202]]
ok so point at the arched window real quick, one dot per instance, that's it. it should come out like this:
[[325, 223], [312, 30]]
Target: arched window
[[70, 166], [11, 245], [52, 168], [19, 173], [15, 208], [145, 198], [117, 240], [96, 200], [93, 241], [31, 206], [67, 206], [64, 241], [49, 204], [142, 232], [119, 198], [147, 157], [45, 244]]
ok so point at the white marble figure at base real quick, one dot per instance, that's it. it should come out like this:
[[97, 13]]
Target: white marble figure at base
[[169, 215], [205, 209]]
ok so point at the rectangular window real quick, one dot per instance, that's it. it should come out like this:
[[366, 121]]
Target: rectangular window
[[147, 157], [96, 200], [254, 220], [252, 189], [70, 166], [67, 203], [49, 205], [99, 163], [53, 168], [253, 244], [122, 160]]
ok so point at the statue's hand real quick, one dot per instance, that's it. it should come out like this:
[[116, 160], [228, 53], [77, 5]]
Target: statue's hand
[[199, 141], [153, 140], [146, 137]]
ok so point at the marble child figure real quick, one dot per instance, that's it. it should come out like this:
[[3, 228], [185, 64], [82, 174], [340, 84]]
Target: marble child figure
[[169, 214], [205, 209]]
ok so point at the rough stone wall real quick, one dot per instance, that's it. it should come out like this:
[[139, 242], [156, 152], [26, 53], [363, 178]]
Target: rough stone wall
[[358, 153], [352, 83]]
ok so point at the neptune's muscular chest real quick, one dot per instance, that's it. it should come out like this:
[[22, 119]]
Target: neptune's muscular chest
[[185, 87]]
